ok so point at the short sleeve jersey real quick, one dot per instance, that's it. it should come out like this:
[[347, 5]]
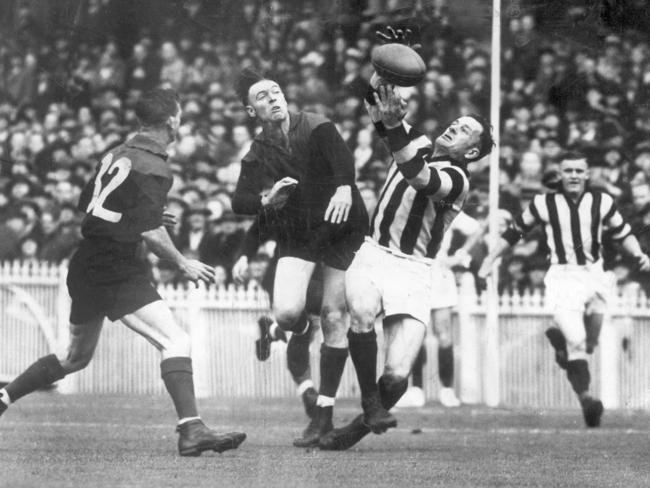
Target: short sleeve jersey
[[128, 193]]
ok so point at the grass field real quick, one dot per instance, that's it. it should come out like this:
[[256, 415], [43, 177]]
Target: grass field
[[53, 440]]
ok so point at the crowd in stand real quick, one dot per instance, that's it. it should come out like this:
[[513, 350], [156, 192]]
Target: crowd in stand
[[68, 80]]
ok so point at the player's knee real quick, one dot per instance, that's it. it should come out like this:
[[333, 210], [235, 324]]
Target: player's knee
[[444, 339], [287, 317], [76, 361], [178, 345], [332, 316], [362, 322], [362, 316], [577, 350], [396, 373]]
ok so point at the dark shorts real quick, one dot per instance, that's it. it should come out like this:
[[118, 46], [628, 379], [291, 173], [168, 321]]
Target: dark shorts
[[105, 279], [329, 244]]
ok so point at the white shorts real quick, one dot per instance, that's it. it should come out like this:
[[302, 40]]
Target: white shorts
[[444, 293], [584, 289], [404, 283]]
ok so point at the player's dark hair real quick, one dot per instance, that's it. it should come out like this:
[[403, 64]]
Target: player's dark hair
[[574, 156], [486, 142], [156, 106], [247, 78]]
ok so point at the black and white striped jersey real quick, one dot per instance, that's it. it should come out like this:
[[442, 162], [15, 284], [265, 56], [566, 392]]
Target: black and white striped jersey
[[574, 230], [421, 197]]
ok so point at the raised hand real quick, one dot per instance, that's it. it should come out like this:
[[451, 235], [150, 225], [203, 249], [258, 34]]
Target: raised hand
[[390, 105], [399, 36]]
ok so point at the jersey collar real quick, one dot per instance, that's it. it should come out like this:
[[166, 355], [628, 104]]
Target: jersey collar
[[140, 141], [294, 120], [453, 162]]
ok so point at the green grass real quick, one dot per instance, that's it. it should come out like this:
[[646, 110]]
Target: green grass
[[53, 440]]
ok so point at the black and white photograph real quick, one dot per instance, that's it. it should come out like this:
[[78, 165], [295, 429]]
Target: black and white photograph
[[346, 243]]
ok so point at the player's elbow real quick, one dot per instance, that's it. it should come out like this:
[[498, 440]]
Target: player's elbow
[[418, 183]]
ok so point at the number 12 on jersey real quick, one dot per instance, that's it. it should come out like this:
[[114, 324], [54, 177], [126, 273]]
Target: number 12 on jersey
[[119, 170]]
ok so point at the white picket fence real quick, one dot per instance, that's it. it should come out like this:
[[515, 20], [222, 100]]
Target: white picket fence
[[34, 308]]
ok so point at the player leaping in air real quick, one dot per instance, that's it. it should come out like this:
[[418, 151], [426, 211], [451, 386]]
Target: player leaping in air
[[425, 189], [319, 217], [298, 360], [124, 206], [577, 288]]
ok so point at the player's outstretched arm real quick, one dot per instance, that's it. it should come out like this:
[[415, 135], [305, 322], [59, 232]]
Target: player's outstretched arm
[[486, 267], [161, 245], [523, 223], [631, 246]]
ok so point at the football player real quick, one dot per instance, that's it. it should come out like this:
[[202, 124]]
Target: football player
[[124, 205]]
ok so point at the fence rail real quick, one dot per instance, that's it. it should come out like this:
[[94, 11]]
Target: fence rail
[[34, 308]]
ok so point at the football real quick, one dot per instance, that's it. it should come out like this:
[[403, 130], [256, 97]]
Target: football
[[398, 64]]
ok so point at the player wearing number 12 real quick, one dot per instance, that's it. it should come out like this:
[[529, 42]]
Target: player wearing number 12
[[124, 205]]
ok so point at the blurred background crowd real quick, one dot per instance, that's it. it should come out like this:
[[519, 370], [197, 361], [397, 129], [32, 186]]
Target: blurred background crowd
[[575, 74]]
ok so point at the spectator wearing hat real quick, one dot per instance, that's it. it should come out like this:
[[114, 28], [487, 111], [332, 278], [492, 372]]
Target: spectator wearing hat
[[58, 240], [313, 90], [192, 195], [353, 84], [12, 231], [227, 237], [177, 207], [194, 240], [28, 249], [173, 66]]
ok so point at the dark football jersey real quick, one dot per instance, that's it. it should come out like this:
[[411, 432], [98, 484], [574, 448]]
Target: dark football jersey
[[128, 193]]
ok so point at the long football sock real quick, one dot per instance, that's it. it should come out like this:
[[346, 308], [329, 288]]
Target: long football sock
[[332, 362], [417, 371], [391, 390], [363, 352], [446, 365], [298, 356], [40, 374], [578, 373], [593, 325], [177, 374]]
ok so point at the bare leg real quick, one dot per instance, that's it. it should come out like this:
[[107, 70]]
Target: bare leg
[[48, 369], [156, 323]]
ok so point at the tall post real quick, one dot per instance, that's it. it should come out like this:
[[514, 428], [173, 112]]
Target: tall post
[[491, 371]]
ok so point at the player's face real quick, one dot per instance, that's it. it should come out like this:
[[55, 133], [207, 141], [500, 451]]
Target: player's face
[[462, 138], [267, 102], [574, 174]]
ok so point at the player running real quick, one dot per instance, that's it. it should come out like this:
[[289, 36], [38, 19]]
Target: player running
[[124, 206], [298, 361], [424, 191], [577, 287], [320, 218]]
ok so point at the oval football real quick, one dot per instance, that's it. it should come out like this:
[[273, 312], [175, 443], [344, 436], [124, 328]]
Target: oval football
[[398, 64]]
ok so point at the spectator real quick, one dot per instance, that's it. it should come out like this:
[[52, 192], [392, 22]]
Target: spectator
[[195, 240], [173, 66], [64, 102], [58, 240], [12, 232]]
